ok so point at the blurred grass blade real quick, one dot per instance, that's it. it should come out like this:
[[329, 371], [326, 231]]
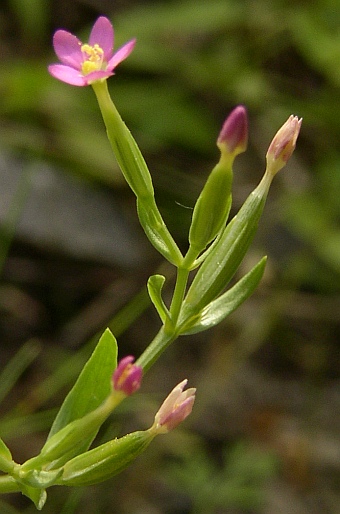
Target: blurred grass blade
[[17, 365]]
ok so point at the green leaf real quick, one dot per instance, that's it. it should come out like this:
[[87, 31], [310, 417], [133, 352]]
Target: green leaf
[[220, 308], [155, 285], [4, 451], [93, 384], [6, 462], [38, 496], [157, 232], [221, 264]]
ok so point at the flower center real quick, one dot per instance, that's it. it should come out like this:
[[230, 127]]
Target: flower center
[[94, 56]]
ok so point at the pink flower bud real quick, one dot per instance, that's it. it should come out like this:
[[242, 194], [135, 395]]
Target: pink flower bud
[[175, 408], [127, 377], [283, 144], [233, 137]]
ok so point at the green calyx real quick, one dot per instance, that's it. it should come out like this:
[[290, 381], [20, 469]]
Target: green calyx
[[106, 460]]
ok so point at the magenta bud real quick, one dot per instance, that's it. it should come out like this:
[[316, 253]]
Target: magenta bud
[[283, 144], [233, 137], [127, 377], [175, 408]]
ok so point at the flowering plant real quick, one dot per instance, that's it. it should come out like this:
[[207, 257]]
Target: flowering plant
[[216, 249]]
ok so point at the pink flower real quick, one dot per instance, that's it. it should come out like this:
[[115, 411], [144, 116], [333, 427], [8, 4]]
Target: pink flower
[[83, 64], [175, 408], [283, 144], [127, 377], [233, 137]]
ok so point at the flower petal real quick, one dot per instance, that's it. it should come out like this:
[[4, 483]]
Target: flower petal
[[102, 34], [97, 75], [121, 54], [68, 48], [67, 74]]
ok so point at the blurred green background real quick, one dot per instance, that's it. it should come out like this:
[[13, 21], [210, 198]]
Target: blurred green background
[[264, 434]]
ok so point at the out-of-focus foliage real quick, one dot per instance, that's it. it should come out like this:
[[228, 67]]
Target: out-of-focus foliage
[[271, 373]]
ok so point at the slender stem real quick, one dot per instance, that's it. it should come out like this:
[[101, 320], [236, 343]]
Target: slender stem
[[180, 288], [152, 353], [169, 332], [177, 299]]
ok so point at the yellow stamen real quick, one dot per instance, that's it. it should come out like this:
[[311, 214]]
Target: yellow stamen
[[94, 61]]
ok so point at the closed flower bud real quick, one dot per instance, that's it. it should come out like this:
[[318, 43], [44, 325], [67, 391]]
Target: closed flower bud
[[233, 137], [175, 408], [127, 376], [283, 145]]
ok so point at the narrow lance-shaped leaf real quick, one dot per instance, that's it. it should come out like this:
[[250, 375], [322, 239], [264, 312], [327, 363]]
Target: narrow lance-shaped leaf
[[6, 462], [155, 285], [156, 230], [93, 384], [224, 305], [222, 263]]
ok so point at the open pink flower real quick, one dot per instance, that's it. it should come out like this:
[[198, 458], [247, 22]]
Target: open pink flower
[[83, 64]]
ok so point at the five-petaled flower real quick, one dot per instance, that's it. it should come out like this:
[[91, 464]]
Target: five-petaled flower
[[83, 64], [175, 408]]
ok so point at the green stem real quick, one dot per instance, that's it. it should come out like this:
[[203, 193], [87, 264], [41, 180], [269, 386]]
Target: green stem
[[180, 288], [177, 299], [169, 332], [8, 485], [152, 353]]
